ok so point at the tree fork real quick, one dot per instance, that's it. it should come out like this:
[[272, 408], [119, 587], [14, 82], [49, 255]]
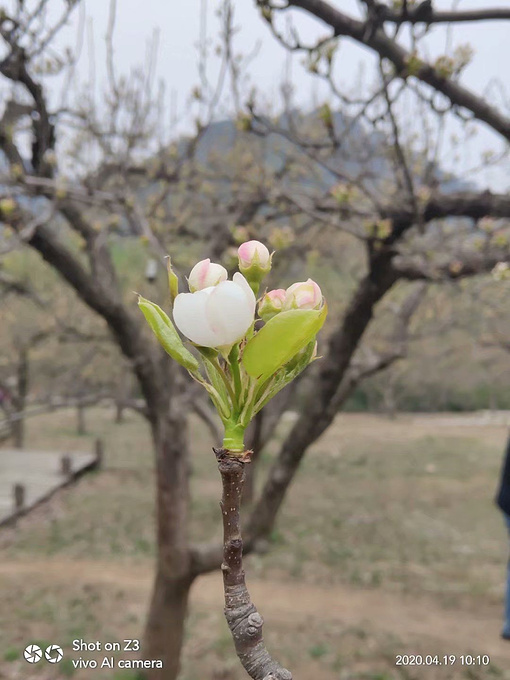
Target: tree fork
[[243, 619]]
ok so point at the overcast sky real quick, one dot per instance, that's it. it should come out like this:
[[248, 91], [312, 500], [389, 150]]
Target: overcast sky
[[178, 26]]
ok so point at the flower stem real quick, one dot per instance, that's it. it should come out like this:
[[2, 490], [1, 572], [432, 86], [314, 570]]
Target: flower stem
[[224, 378], [234, 437], [233, 359]]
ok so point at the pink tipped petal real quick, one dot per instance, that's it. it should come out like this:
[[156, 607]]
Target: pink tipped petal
[[202, 273], [245, 252], [206, 273], [271, 304], [303, 295], [277, 295], [253, 252]]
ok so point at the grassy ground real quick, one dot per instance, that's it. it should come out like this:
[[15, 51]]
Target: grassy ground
[[389, 543]]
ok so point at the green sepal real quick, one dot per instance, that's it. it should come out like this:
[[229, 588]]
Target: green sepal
[[301, 360], [173, 281], [218, 381], [219, 402], [207, 352], [167, 335], [281, 339]]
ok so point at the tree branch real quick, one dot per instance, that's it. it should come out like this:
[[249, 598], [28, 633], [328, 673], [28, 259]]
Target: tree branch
[[460, 267], [243, 619], [388, 48], [425, 13], [126, 330], [12, 285]]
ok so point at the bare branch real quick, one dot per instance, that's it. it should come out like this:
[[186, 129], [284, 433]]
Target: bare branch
[[388, 48]]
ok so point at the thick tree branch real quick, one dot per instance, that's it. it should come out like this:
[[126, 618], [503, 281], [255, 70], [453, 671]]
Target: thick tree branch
[[461, 204], [424, 12], [398, 341], [126, 330], [389, 49], [459, 267], [474, 205], [14, 67]]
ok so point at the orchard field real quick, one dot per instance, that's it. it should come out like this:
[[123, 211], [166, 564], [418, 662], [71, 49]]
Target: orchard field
[[389, 544]]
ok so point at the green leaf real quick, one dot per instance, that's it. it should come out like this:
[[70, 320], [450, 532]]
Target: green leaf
[[281, 339], [283, 377], [165, 332]]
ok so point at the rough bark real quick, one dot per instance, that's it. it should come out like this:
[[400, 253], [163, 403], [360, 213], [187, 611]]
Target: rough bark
[[167, 612], [243, 619], [164, 631]]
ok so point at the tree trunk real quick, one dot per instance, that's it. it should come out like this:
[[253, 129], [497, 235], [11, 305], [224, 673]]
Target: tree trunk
[[18, 432], [119, 412], [81, 425], [164, 631], [19, 402], [167, 612], [121, 397]]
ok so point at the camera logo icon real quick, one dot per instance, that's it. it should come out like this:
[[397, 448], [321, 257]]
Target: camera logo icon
[[32, 653], [53, 653]]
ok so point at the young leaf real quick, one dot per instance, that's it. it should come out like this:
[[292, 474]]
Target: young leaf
[[284, 376], [165, 332], [281, 339]]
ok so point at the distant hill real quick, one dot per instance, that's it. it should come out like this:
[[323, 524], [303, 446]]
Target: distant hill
[[221, 137]]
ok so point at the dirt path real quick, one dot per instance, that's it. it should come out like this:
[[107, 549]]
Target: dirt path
[[409, 618]]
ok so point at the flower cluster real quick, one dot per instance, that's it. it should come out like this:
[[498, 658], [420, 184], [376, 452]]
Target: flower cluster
[[243, 364]]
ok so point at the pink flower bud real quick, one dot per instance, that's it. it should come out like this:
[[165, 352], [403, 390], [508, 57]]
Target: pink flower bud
[[303, 295], [206, 274], [254, 261], [271, 304]]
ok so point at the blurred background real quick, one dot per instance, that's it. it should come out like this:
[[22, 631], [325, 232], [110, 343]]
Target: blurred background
[[366, 143]]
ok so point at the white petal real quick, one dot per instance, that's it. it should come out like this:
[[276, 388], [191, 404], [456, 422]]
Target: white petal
[[230, 311], [191, 319], [240, 281], [205, 274]]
